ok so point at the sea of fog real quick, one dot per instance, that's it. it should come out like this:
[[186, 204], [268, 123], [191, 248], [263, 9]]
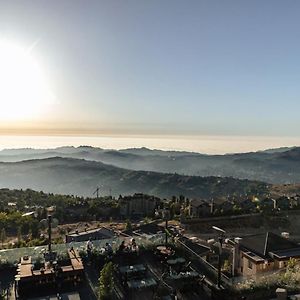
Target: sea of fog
[[202, 144]]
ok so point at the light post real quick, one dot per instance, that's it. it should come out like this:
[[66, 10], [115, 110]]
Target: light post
[[49, 216], [220, 238], [166, 216]]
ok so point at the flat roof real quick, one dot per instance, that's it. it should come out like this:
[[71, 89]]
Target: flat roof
[[253, 257], [103, 229]]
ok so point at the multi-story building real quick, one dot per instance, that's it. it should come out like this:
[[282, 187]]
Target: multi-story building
[[138, 205]]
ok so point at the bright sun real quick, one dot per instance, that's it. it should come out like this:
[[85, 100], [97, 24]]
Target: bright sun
[[24, 92]]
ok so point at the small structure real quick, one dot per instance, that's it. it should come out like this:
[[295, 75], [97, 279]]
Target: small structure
[[281, 294], [93, 234]]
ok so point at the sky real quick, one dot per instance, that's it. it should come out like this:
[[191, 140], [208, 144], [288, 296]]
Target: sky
[[209, 68]]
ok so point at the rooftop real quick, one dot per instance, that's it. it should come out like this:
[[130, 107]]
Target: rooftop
[[102, 230], [266, 243]]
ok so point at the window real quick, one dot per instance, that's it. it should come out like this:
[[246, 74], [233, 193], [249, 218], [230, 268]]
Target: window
[[250, 265]]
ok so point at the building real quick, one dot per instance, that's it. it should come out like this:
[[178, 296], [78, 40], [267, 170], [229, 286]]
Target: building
[[199, 208], [247, 205], [226, 207], [93, 234], [138, 206], [295, 201], [267, 204], [283, 203], [259, 253]]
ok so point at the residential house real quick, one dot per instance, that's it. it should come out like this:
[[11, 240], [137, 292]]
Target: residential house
[[295, 201], [199, 208], [247, 205], [282, 203], [259, 253], [226, 207], [267, 204]]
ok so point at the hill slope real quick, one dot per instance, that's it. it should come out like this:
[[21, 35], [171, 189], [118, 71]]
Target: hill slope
[[273, 166], [81, 177]]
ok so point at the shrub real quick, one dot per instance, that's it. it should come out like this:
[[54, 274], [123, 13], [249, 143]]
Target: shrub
[[106, 282]]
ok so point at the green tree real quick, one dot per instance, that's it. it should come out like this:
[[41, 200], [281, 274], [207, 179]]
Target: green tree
[[292, 264], [226, 266], [106, 282], [2, 295]]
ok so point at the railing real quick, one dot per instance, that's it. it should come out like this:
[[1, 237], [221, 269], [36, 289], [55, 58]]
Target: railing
[[209, 269]]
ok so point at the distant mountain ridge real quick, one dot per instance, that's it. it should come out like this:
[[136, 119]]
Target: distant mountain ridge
[[278, 166], [81, 177]]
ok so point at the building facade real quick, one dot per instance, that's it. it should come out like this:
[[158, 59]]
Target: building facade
[[138, 206]]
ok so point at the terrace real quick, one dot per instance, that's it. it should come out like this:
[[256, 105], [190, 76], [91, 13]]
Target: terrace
[[155, 270], [35, 275]]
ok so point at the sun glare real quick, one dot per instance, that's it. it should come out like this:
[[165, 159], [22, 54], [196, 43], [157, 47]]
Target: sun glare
[[24, 92]]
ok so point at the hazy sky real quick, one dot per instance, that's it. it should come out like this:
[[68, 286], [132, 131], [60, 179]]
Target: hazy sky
[[163, 66]]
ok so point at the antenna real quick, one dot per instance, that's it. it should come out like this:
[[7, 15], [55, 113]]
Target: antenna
[[97, 191]]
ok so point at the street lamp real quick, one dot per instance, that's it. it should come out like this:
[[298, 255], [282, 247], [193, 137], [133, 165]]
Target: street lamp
[[51, 223], [49, 216], [166, 216], [220, 238]]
